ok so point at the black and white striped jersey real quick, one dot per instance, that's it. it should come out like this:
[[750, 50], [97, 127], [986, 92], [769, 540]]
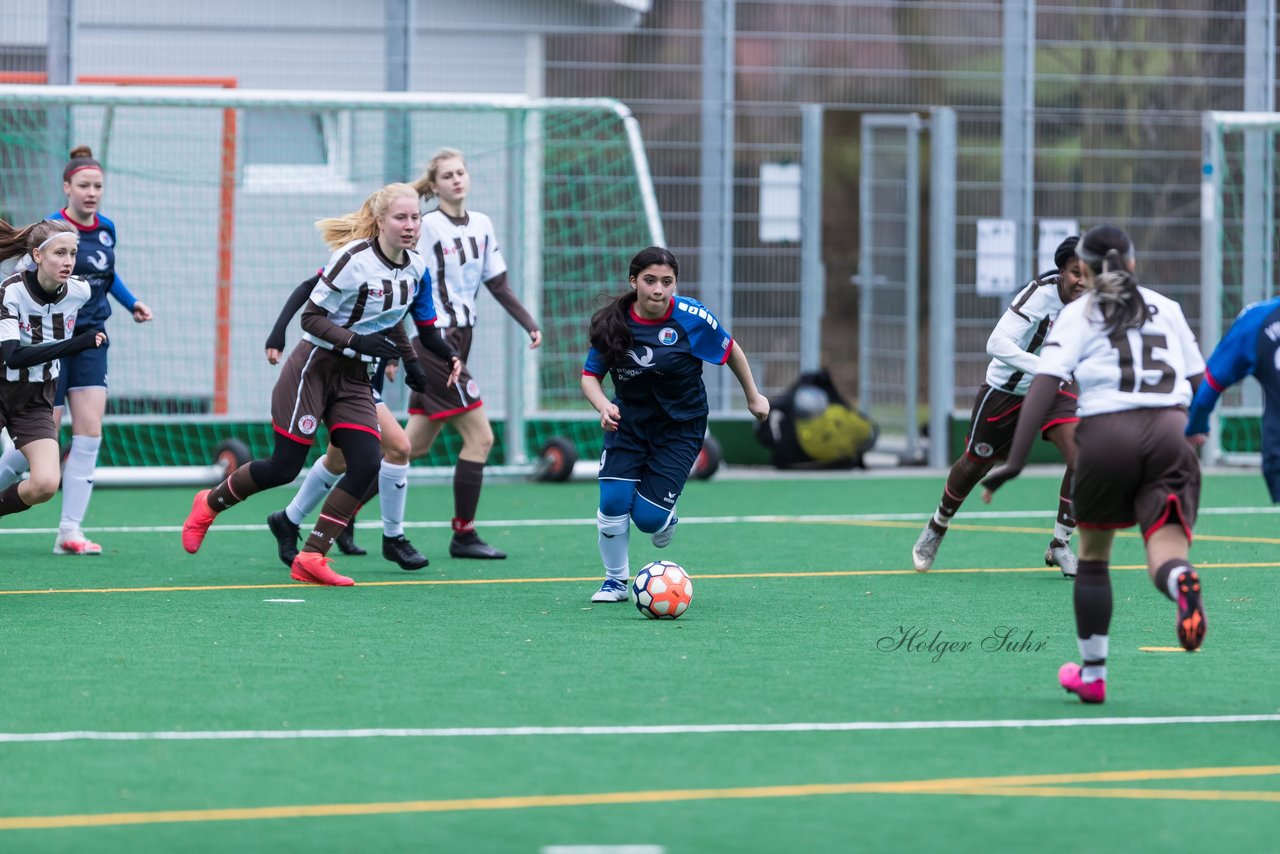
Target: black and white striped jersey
[[30, 315], [1017, 338], [461, 253], [362, 290]]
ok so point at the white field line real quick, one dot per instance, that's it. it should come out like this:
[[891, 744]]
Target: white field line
[[651, 729], [684, 520]]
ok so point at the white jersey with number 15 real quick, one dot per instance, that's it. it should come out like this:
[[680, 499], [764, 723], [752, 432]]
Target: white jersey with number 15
[[1138, 368]]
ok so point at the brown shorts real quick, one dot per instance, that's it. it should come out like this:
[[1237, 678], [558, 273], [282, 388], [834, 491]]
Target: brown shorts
[[1136, 467], [995, 419], [441, 401], [319, 386], [27, 410]]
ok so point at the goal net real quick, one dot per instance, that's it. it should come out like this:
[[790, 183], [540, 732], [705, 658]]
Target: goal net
[[1238, 252], [214, 193]]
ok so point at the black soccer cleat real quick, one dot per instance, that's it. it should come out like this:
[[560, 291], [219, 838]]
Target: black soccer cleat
[[286, 534], [400, 551], [1191, 622], [346, 541], [470, 545]]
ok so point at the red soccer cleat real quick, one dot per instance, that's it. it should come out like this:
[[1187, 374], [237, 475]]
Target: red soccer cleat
[[313, 568], [1088, 692], [198, 522]]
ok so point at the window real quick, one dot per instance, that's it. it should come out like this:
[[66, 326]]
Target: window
[[291, 151]]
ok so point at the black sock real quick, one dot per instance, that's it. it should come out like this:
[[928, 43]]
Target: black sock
[[1092, 597], [1169, 567]]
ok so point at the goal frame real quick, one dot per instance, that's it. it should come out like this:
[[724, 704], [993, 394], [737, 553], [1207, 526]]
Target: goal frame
[[24, 91], [1257, 223]]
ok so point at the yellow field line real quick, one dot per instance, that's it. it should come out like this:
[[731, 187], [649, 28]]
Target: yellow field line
[[589, 579], [1012, 786], [1131, 794], [1017, 529]]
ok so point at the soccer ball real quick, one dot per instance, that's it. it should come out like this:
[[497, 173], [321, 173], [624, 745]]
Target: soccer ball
[[662, 590]]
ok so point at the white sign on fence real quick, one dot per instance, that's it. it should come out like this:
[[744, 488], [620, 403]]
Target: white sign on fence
[[1052, 233], [997, 257]]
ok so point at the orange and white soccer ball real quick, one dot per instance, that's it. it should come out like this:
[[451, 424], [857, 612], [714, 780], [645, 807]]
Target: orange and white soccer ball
[[662, 590]]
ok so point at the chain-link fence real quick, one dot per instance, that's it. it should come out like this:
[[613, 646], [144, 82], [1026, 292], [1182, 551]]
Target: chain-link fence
[[1117, 90]]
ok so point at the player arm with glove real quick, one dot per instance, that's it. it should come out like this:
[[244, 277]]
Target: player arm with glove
[[415, 377], [14, 354], [297, 299], [315, 321]]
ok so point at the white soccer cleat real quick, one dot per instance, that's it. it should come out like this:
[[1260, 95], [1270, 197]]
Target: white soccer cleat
[[613, 590], [1059, 554], [75, 543], [662, 539], [926, 548]]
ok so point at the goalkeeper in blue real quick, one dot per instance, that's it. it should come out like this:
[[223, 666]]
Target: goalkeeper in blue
[[1251, 346], [653, 344]]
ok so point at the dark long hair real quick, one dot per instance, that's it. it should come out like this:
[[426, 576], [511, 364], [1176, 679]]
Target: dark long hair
[[1107, 250], [609, 332]]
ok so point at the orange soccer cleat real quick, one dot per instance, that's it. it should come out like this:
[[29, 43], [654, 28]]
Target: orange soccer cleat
[[313, 568], [198, 522]]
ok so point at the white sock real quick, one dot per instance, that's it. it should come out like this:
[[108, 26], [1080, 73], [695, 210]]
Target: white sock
[[315, 488], [12, 466], [615, 536], [940, 520], [1062, 532], [1173, 581], [393, 483], [77, 481], [1094, 648]]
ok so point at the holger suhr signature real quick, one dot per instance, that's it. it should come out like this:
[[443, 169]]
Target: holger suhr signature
[[925, 640]]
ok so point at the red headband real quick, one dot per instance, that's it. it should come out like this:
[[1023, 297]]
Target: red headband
[[71, 170]]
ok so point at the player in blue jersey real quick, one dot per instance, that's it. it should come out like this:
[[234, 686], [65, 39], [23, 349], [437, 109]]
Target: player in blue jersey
[[1251, 346], [652, 343], [82, 381]]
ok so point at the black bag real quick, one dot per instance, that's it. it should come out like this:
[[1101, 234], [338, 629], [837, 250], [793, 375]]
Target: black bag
[[812, 426]]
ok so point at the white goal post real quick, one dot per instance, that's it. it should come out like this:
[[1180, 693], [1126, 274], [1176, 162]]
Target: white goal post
[[1238, 245], [214, 192]]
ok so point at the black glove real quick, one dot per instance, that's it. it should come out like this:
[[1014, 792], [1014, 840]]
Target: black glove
[[999, 476], [374, 344], [414, 376]]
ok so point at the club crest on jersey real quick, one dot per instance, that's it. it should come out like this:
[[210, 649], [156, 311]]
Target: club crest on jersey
[[473, 390], [70, 324], [471, 274], [668, 336], [307, 425], [105, 239], [983, 450]]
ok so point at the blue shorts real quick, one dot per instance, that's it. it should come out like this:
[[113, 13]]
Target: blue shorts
[[654, 452], [86, 369]]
